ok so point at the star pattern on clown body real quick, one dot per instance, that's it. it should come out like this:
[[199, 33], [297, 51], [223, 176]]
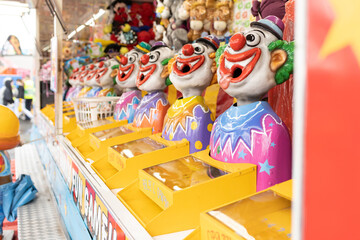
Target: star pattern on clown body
[[242, 154], [265, 167], [272, 144], [344, 30], [271, 124]]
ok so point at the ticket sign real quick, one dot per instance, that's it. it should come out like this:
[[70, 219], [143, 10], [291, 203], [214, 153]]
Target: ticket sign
[[332, 122]]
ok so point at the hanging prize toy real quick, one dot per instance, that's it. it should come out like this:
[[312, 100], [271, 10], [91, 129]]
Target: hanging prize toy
[[192, 71], [250, 131], [264, 8], [176, 34], [126, 75], [222, 17], [152, 79], [197, 18]]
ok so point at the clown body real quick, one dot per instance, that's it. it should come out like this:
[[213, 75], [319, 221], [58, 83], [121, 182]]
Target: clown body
[[253, 133], [72, 82], [126, 76], [189, 118], [151, 111], [126, 106], [151, 78], [250, 131]]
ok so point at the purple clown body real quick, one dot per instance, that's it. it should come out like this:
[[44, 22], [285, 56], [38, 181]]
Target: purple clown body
[[126, 106], [190, 119], [151, 111], [254, 134]]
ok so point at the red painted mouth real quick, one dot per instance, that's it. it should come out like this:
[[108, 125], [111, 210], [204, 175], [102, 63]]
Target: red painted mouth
[[74, 76], [143, 76], [185, 66], [91, 74], [100, 73], [82, 75], [122, 75], [237, 73]]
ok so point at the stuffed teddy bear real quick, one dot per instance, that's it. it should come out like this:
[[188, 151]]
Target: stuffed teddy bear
[[197, 18], [222, 17]]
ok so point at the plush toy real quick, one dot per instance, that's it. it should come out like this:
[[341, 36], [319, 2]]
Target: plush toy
[[147, 14], [250, 131], [145, 36], [176, 34], [222, 17], [159, 30], [66, 51], [197, 18], [192, 71], [125, 77], [152, 79], [264, 8]]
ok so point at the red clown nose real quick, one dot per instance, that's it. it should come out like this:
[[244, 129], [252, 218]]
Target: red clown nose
[[92, 66], [144, 59], [123, 60], [237, 41], [101, 64], [188, 50]]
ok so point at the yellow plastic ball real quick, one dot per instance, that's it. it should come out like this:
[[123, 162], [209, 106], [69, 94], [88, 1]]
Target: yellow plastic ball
[[9, 123], [123, 50]]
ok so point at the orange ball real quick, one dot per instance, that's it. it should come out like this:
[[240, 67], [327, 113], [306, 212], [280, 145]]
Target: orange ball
[[9, 128]]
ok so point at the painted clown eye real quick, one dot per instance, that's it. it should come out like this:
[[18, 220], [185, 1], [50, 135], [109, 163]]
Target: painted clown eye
[[252, 39], [132, 58], [198, 49], [154, 56]]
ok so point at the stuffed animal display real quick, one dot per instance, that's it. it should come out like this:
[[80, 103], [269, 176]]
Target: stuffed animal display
[[191, 19]]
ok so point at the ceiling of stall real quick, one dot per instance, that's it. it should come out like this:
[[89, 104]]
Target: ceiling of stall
[[74, 14]]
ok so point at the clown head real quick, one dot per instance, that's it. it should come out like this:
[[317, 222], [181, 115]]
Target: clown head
[[74, 77], [249, 63], [153, 68], [103, 75], [81, 77], [91, 76], [129, 66], [194, 67]]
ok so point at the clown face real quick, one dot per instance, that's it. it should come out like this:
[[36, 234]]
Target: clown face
[[193, 69], [103, 75], [151, 77], [91, 76], [81, 77], [128, 70], [74, 77], [244, 71]]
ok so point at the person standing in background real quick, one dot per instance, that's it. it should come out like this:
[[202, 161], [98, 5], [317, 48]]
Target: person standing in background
[[19, 101], [8, 94], [28, 93]]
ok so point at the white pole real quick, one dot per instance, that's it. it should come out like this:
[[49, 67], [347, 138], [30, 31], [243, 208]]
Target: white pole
[[300, 70], [58, 32]]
